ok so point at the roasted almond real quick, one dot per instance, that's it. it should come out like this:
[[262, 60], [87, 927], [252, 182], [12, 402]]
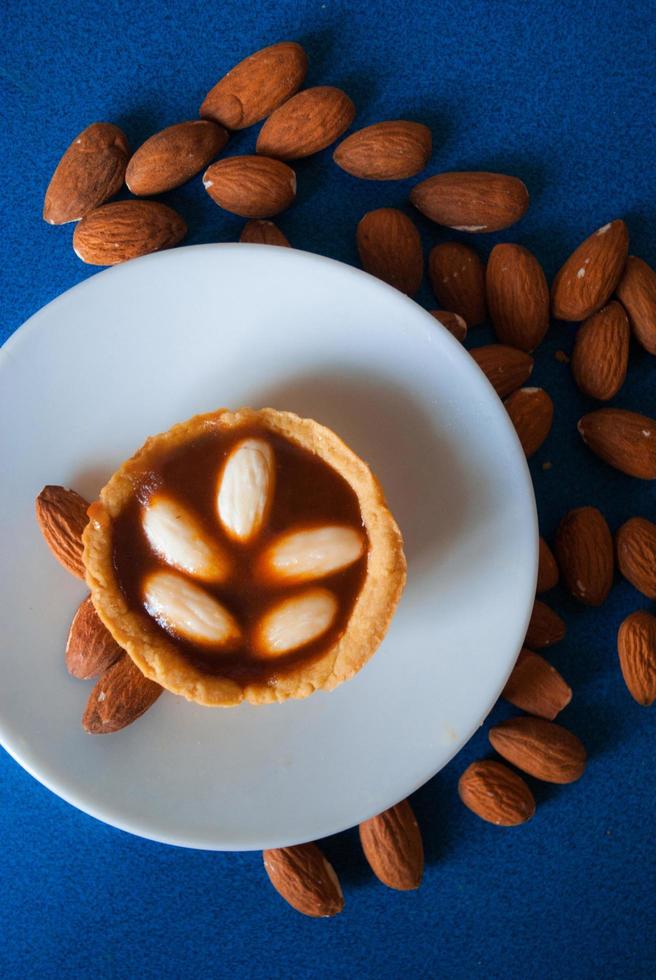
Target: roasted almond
[[245, 490], [294, 622], [174, 155], [89, 173], [251, 186], [601, 353], [393, 847], [62, 516], [256, 86], [637, 293], [547, 568], [471, 201], [540, 748], [263, 233], [623, 439], [636, 646], [126, 229], [390, 248], [589, 277], [121, 696], [636, 554], [453, 322], [584, 549], [506, 368], [531, 412], [517, 296], [537, 687], [305, 879], [391, 150], [458, 280], [188, 611], [307, 123], [495, 793], [545, 627], [90, 648]]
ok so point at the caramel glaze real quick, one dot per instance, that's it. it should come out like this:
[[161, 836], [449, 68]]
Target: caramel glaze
[[307, 492]]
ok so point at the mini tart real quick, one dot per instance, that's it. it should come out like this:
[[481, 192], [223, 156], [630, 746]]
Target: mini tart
[[156, 653]]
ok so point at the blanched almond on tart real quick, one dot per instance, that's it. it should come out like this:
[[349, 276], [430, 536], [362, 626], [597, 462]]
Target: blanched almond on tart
[[246, 489], [186, 610], [295, 621], [177, 536], [311, 553]]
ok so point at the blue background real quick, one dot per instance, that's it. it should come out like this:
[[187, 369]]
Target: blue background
[[561, 94]]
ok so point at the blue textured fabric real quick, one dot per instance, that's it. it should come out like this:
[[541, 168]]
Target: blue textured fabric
[[561, 94]]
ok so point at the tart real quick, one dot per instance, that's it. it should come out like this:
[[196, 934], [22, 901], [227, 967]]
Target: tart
[[245, 555]]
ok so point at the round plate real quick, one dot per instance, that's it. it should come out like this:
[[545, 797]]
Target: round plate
[[141, 346]]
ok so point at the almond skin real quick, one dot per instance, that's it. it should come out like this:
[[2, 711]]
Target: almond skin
[[305, 879], [121, 696], [495, 793], [540, 748], [601, 353], [391, 150], [89, 173], [453, 322], [536, 687], [125, 230], [636, 646], [90, 648], [505, 367], [584, 550], [390, 248], [547, 568], [531, 412], [263, 233], [623, 439], [251, 186], [589, 277], [471, 201], [173, 156], [636, 554], [393, 847], [637, 293], [517, 296], [309, 122], [256, 86], [545, 627], [458, 280], [62, 516]]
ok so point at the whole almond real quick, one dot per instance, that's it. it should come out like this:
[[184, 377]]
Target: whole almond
[[307, 123], [636, 646], [589, 277], [636, 554], [90, 648], [505, 367], [471, 201], [263, 233], [517, 296], [623, 439], [453, 322], [62, 516], [601, 353], [89, 173], [531, 412], [537, 687], [256, 86], [390, 248], [637, 293], [172, 156], [393, 847], [495, 793], [125, 230], [305, 879], [540, 748], [121, 695], [458, 280], [251, 186], [391, 150], [545, 627], [584, 549], [547, 568]]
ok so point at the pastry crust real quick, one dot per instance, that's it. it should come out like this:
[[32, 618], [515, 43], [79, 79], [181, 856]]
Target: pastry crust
[[157, 656]]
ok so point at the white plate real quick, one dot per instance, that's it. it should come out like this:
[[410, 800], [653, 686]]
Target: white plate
[[139, 347]]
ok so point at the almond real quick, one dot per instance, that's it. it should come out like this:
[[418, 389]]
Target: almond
[[90, 648], [637, 293], [173, 156], [121, 696], [601, 353], [62, 516], [256, 86], [584, 549], [393, 847], [623, 439], [495, 793], [517, 296], [471, 201], [636, 554], [545, 627], [589, 277], [391, 150], [531, 412], [186, 610], [246, 488], [294, 622], [537, 687], [390, 249], [305, 879], [547, 568], [458, 280], [636, 645], [453, 322], [310, 553], [126, 229], [540, 748], [251, 186], [309, 122], [177, 536], [505, 367], [89, 173], [263, 233]]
